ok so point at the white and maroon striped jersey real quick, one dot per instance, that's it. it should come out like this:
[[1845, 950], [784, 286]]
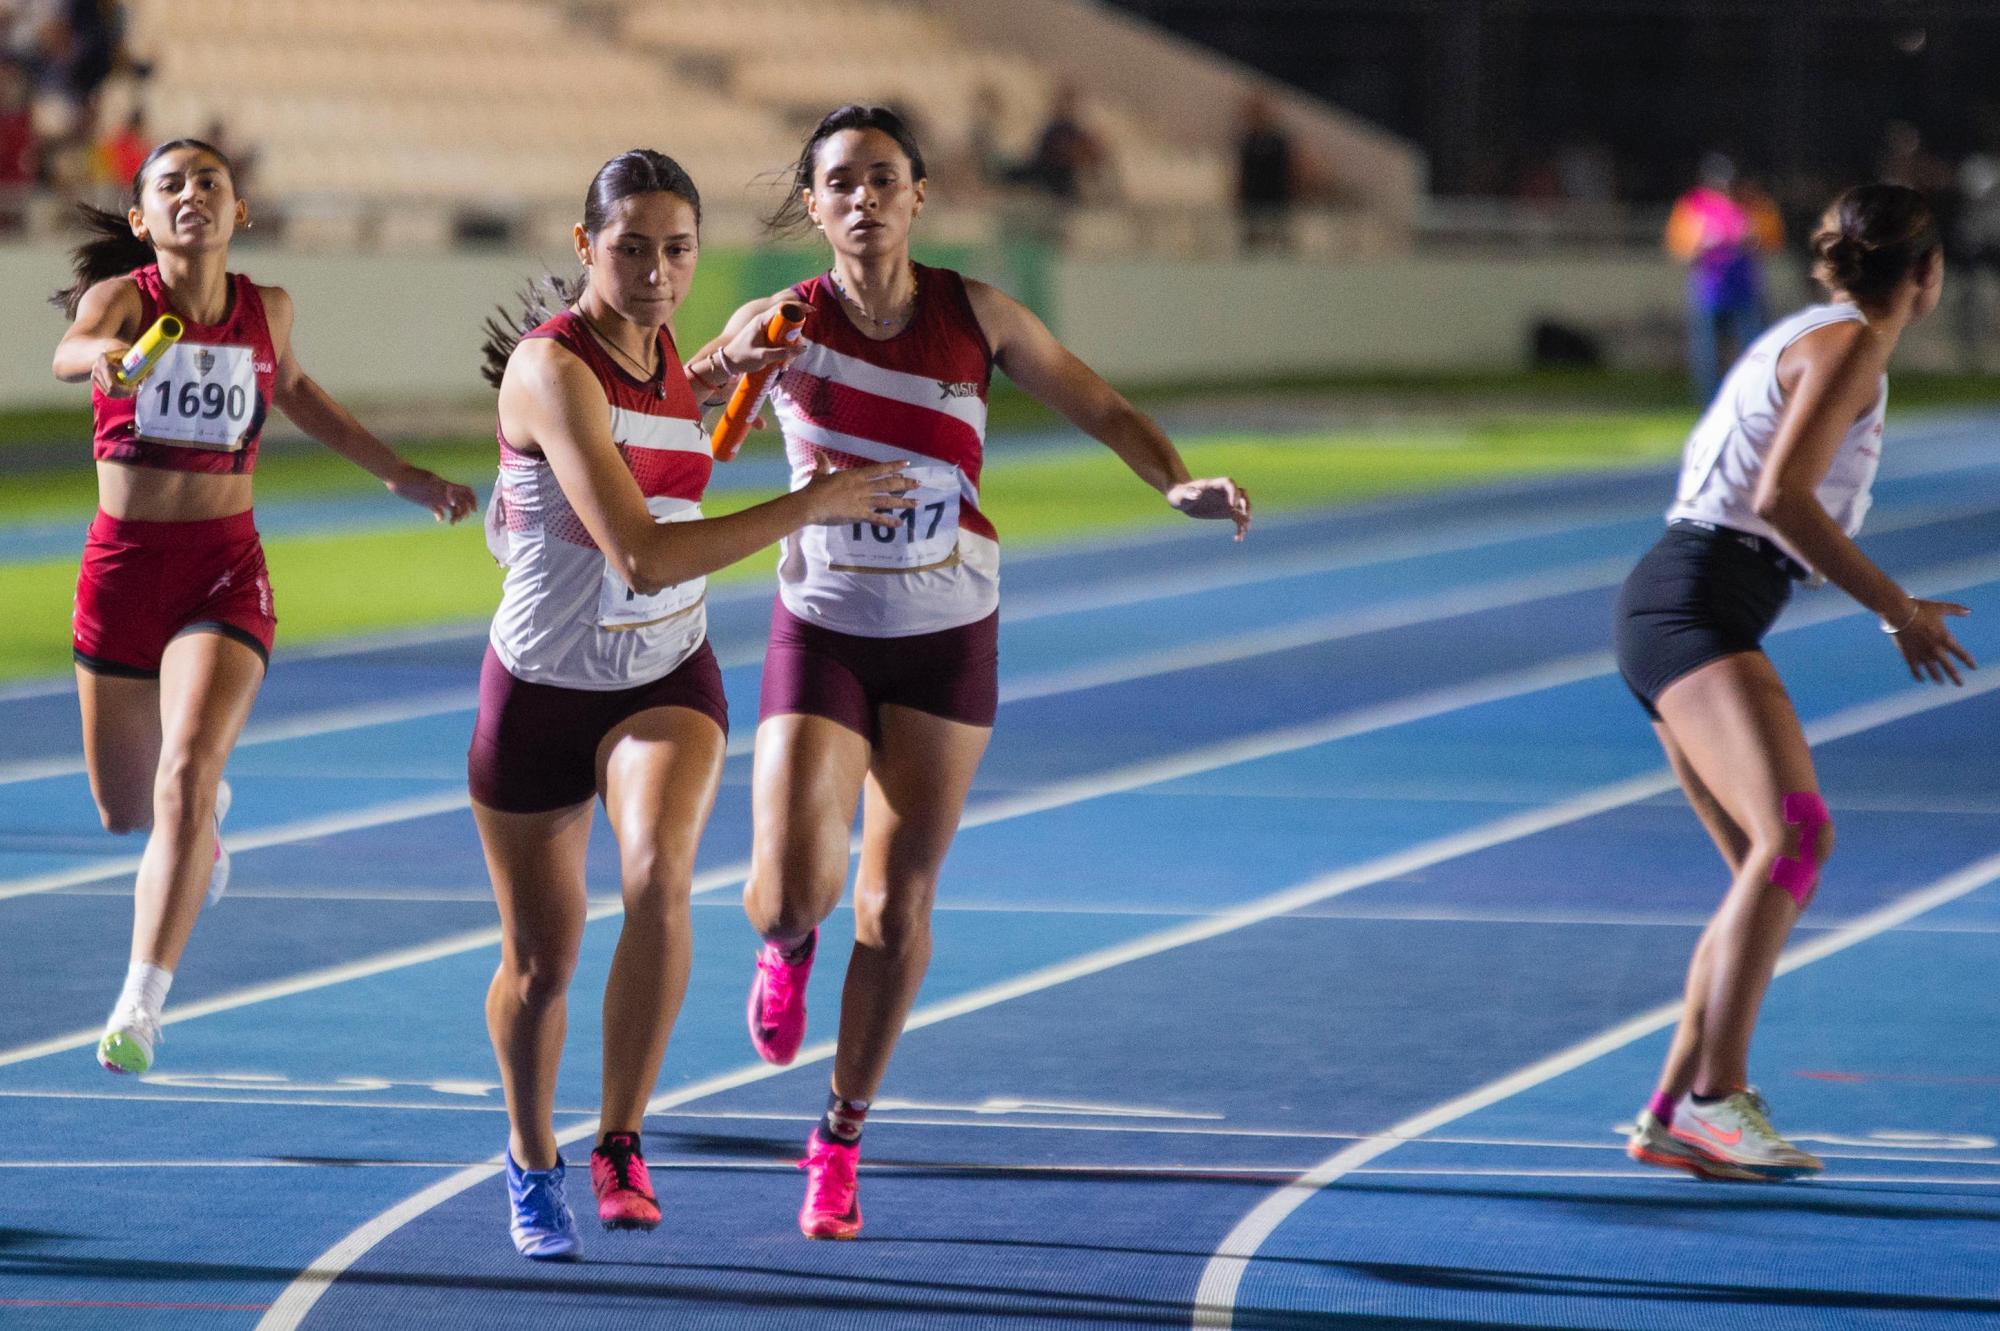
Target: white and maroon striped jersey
[[566, 616], [920, 396]]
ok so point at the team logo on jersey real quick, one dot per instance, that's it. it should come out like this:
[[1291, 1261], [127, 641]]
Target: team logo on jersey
[[968, 388], [204, 361]]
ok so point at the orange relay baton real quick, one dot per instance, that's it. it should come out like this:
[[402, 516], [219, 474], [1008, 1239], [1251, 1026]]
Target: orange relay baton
[[782, 327]]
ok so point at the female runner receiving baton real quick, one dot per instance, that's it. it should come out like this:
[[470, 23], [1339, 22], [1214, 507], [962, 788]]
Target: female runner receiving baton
[[881, 680]]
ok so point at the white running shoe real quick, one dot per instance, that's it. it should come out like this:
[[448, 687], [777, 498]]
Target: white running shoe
[[1736, 1131], [1653, 1143], [129, 1038], [218, 877]]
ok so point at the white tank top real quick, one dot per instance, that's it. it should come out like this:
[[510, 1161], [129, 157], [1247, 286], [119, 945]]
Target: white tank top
[[566, 615], [1726, 453]]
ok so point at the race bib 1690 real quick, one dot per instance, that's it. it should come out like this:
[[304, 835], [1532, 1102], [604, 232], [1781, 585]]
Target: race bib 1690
[[199, 397]]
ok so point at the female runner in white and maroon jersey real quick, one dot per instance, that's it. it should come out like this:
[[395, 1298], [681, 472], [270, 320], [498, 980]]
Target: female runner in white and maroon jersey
[[599, 681], [881, 680], [174, 621]]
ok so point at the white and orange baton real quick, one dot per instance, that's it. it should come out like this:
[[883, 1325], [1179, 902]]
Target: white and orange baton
[[783, 327], [146, 352]]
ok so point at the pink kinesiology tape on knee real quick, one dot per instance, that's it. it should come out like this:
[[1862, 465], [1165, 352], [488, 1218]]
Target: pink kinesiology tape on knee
[[1799, 876]]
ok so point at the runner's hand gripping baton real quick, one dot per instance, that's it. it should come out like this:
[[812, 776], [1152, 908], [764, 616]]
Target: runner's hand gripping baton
[[782, 327], [146, 352]]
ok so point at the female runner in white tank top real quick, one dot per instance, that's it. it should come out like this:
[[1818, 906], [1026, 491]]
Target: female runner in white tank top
[[880, 682], [1774, 485], [599, 681]]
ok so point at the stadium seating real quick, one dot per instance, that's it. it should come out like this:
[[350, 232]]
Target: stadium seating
[[504, 106]]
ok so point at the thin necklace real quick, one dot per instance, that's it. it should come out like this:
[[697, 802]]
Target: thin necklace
[[646, 376], [901, 317]]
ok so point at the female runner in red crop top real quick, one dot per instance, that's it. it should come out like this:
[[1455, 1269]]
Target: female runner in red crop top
[[173, 606]]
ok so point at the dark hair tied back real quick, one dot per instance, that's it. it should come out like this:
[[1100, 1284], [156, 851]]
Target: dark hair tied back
[[640, 171], [790, 217], [111, 249], [1872, 239]]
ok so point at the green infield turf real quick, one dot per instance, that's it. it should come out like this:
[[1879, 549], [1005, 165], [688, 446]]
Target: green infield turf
[[334, 584]]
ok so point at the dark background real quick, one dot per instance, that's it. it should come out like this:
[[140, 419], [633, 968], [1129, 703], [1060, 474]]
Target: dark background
[[1799, 91]]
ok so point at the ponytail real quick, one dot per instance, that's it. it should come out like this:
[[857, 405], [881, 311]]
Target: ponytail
[[111, 251], [540, 301]]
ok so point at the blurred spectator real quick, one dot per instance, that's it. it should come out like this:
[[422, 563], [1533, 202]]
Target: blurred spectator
[[1068, 160], [79, 50], [986, 165], [1267, 177], [1721, 229], [121, 153], [19, 158], [1905, 160]]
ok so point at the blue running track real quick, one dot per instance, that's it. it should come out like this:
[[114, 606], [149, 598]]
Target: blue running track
[[1314, 928]]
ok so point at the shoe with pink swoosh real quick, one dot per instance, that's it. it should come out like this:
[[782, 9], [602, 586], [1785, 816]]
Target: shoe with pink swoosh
[[1736, 1132], [777, 1014], [832, 1208], [1654, 1143]]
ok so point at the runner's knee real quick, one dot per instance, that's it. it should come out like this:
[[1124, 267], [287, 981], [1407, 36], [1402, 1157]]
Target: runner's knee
[[184, 789], [894, 919], [656, 882], [538, 977]]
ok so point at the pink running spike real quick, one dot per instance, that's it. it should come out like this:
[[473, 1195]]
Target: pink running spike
[[777, 1013], [832, 1208], [1805, 810]]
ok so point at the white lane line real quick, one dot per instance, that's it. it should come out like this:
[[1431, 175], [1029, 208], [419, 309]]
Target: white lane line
[[1116, 593], [436, 950], [1391, 548], [1215, 1296], [1357, 622], [299, 1297], [1203, 1169], [270, 1098], [280, 834], [305, 725], [906, 1119]]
